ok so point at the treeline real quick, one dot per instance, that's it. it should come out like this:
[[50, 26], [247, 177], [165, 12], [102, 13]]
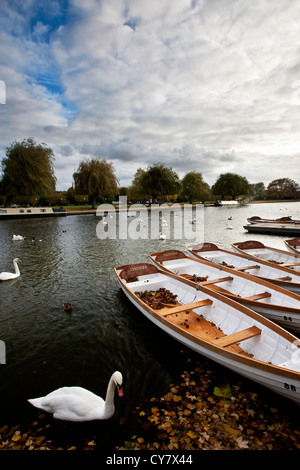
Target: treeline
[[28, 178]]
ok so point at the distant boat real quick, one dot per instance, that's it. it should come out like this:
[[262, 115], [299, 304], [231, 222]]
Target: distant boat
[[273, 302], [7, 213], [215, 327], [293, 245], [226, 203], [273, 255], [283, 220], [283, 277]]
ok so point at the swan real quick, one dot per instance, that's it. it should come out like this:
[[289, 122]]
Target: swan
[[17, 237], [7, 276], [79, 404], [34, 240]]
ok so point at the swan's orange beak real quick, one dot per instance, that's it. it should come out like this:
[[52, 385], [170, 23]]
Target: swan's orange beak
[[120, 390]]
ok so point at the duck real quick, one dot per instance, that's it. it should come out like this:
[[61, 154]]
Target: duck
[[34, 240], [7, 276], [78, 404], [17, 237], [67, 307]]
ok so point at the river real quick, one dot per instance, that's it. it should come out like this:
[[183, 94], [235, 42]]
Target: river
[[47, 348]]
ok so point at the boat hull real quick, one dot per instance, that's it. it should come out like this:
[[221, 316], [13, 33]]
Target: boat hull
[[276, 256], [283, 277], [30, 213], [280, 305], [284, 382]]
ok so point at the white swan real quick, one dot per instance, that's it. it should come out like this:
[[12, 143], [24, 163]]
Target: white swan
[[7, 276], [79, 404], [17, 237]]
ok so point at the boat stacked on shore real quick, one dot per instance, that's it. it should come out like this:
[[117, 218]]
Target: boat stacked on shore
[[224, 313]]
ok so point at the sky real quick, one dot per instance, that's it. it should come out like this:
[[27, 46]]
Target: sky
[[211, 86]]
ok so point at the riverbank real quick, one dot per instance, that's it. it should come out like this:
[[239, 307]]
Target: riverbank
[[199, 412]]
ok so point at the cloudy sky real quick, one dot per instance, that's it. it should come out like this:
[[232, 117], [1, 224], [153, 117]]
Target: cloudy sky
[[205, 85]]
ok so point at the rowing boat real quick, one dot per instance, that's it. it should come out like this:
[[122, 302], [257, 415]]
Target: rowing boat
[[271, 301], [283, 277], [286, 220], [274, 255], [293, 245], [216, 327]]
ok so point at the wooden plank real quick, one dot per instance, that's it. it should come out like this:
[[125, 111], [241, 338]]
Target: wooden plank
[[183, 308], [286, 278], [255, 266], [214, 281], [237, 337], [258, 296], [290, 264]]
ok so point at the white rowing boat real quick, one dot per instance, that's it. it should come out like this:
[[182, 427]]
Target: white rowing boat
[[283, 277], [271, 301], [257, 249], [216, 327], [282, 220], [293, 245]]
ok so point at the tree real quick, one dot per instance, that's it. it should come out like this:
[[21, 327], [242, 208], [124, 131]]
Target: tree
[[96, 178], [257, 191], [159, 181], [194, 188], [136, 191], [28, 170], [283, 188], [230, 184]]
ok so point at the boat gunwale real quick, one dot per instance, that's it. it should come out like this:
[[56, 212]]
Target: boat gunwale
[[265, 247], [252, 362], [256, 260], [255, 279]]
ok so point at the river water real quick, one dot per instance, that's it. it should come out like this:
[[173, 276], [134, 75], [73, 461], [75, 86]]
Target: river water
[[47, 348]]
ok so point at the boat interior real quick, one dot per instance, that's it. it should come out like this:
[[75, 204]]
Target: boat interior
[[212, 319]]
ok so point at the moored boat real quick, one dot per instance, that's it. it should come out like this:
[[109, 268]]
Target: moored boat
[[282, 220], [216, 327], [271, 301], [273, 255], [281, 276], [17, 213], [293, 245]]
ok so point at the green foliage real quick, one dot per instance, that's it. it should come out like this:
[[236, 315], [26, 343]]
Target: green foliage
[[194, 188], [159, 181], [96, 178], [230, 184], [283, 188], [27, 170]]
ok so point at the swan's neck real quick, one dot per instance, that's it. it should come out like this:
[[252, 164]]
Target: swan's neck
[[109, 399], [16, 267]]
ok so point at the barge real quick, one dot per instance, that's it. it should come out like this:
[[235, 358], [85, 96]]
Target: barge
[[7, 213]]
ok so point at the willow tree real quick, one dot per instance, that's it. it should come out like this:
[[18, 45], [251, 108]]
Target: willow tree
[[96, 178], [193, 187], [230, 184], [27, 170], [159, 181]]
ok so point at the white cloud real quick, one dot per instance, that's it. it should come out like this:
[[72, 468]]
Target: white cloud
[[211, 86]]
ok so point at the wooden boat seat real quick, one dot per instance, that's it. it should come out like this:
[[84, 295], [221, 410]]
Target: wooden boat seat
[[253, 266], [183, 308], [214, 281], [237, 337], [258, 296]]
